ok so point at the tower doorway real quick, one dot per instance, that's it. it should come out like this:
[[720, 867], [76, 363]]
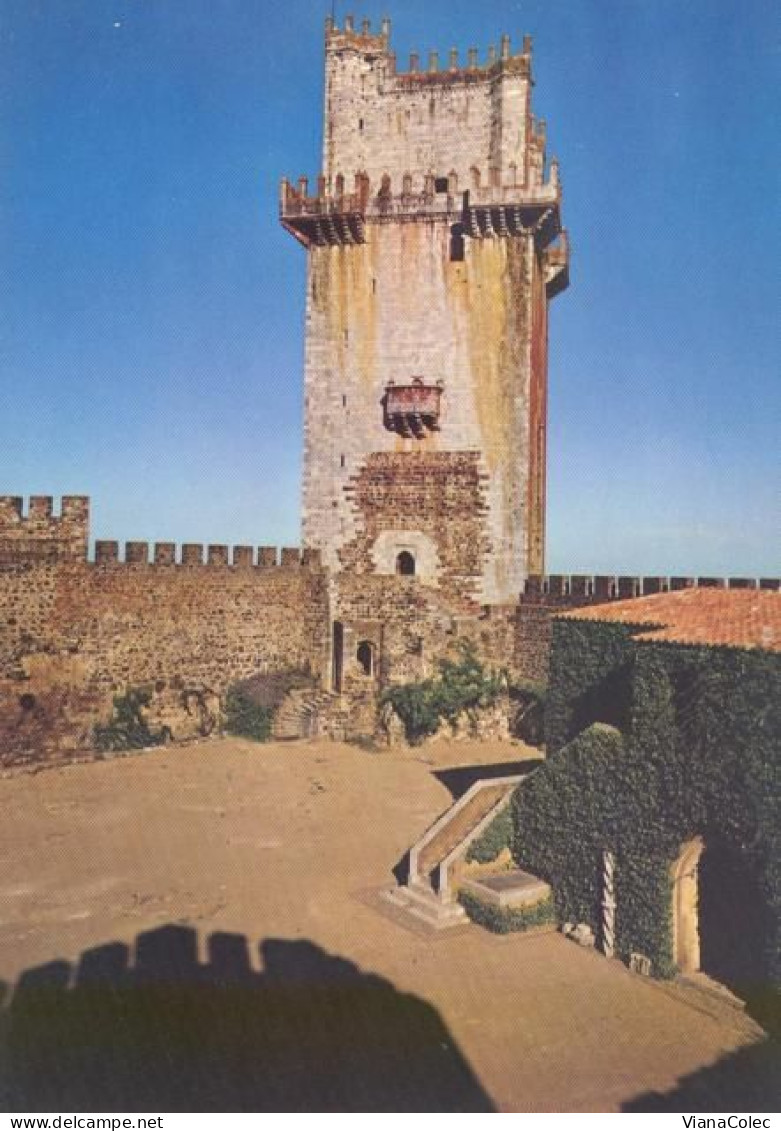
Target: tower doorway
[[337, 656], [405, 564]]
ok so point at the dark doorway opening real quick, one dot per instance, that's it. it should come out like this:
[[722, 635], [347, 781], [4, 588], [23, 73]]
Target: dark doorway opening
[[732, 917], [365, 657], [405, 564], [337, 656]]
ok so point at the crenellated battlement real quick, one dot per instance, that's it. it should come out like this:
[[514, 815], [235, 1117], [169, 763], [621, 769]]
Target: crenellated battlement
[[37, 533], [360, 39], [577, 589], [488, 205], [205, 556]]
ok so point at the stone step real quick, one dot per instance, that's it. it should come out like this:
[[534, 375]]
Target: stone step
[[426, 908]]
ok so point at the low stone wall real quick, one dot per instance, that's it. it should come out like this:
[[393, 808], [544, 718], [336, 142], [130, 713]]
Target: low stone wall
[[73, 634]]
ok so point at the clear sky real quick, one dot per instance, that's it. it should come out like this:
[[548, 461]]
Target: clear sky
[[151, 309]]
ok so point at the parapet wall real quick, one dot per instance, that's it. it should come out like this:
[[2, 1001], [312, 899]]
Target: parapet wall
[[40, 535], [583, 589], [196, 554]]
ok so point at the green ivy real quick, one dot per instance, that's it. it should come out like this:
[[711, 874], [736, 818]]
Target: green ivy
[[503, 921], [696, 754], [127, 729], [244, 716], [461, 686], [493, 839]]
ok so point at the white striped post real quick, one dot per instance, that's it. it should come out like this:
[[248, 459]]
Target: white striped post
[[608, 904]]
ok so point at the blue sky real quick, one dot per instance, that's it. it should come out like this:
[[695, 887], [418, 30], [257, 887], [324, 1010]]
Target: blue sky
[[151, 309]]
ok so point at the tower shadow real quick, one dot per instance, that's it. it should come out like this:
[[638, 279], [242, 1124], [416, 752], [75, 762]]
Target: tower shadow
[[162, 1031]]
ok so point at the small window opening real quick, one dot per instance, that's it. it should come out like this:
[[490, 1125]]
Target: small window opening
[[374, 286], [360, 123], [365, 657], [344, 400], [27, 701], [440, 184], [405, 564], [341, 461], [457, 243]]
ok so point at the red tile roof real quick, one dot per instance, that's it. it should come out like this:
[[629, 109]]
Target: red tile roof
[[738, 618]]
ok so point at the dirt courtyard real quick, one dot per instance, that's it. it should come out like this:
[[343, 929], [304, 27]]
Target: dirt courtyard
[[198, 928]]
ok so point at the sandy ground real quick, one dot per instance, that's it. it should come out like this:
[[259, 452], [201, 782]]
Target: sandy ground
[[198, 928]]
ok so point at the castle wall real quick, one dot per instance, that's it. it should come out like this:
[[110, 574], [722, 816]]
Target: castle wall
[[72, 634]]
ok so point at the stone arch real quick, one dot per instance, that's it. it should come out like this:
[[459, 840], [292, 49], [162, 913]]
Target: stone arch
[[390, 544], [685, 877]]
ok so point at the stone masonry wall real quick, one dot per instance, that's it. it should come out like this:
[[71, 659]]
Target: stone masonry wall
[[466, 122], [438, 494], [72, 634]]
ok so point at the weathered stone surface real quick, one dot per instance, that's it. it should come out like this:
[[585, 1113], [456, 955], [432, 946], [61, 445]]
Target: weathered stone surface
[[428, 262]]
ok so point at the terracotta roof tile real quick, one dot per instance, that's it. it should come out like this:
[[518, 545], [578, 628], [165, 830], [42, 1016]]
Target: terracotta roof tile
[[738, 618]]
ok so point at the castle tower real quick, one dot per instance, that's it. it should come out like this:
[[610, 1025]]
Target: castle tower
[[434, 243]]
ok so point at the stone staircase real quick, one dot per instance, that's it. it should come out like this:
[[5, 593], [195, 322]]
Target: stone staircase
[[429, 895], [307, 712]]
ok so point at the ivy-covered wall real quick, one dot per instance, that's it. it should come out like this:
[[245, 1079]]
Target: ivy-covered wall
[[651, 744]]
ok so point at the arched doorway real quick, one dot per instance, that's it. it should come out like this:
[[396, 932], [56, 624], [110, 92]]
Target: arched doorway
[[405, 564], [337, 656], [719, 921], [365, 657]]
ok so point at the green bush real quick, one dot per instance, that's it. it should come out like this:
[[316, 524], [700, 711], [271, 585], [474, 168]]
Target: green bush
[[244, 716], [493, 839], [503, 921], [462, 686], [127, 729], [697, 755], [528, 720]]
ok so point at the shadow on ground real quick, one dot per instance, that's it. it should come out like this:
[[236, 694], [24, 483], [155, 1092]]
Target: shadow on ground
[[748, 1080], [165, 1032], [458, 779]]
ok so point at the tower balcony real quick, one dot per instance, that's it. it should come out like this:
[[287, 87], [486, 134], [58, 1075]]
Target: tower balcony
[[413, 409]]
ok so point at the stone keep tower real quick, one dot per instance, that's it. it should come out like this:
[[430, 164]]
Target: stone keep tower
[[434, 243]]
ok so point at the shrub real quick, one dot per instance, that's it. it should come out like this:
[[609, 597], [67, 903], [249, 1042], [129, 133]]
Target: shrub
[[127, 729], [462, 686], [528, 721], [244, 716], [493, 839], [503, 921]]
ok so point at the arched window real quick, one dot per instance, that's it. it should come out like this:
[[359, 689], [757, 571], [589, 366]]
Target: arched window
[[365, 657], [405, 564]]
